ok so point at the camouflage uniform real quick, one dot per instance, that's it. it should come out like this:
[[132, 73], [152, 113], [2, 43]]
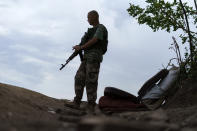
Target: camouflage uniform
[[88, 72]]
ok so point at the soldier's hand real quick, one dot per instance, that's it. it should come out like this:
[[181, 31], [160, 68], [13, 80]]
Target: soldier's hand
[[77, 47]]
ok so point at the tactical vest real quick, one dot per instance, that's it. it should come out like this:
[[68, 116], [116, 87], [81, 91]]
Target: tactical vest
[[100, 45]]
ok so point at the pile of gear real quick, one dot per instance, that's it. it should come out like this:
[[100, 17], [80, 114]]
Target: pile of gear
[[151, 95]]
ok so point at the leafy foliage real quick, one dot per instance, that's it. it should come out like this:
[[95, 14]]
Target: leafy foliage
[[169, 16]]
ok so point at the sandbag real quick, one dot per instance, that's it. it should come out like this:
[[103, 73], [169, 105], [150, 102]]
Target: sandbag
[[149, 84], [170, 79], [158, 90], [153, 104], [107, 103], [120, 94]]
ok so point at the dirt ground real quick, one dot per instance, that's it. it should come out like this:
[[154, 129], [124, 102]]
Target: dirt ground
[[25, 110]]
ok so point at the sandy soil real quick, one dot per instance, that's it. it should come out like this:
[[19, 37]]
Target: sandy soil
[[25, 110]]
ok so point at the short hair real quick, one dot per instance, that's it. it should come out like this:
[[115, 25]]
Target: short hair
[[94, 12]]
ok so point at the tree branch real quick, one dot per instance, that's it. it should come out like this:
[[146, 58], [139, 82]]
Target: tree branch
[[195, 5], [177, 51], [190, 37], [172, 20]]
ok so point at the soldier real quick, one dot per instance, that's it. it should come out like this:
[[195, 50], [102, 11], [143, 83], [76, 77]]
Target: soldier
[[94, 44]]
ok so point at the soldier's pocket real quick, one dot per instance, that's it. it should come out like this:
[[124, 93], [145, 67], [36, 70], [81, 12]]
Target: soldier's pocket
[[93, 71]]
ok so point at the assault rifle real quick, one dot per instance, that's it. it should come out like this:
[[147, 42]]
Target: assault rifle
[[83, 40], [75, 53]]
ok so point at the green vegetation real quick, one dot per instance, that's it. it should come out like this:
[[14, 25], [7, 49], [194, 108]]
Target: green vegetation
[[172, 16]]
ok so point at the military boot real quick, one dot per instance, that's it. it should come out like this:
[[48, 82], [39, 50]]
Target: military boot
[[91, 108], [75, 104]]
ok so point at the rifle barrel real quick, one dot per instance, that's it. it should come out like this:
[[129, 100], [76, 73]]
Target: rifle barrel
[[71, 57]]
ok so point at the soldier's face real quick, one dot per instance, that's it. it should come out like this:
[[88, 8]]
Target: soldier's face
[[91, 19]]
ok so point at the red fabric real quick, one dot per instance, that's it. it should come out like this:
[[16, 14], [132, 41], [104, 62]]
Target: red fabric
[[112, 104]]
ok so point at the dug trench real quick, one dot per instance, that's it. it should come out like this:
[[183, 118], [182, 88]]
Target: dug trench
[[25, 110]]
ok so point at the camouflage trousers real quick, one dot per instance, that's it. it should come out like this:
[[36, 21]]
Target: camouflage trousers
[[87, 76]]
